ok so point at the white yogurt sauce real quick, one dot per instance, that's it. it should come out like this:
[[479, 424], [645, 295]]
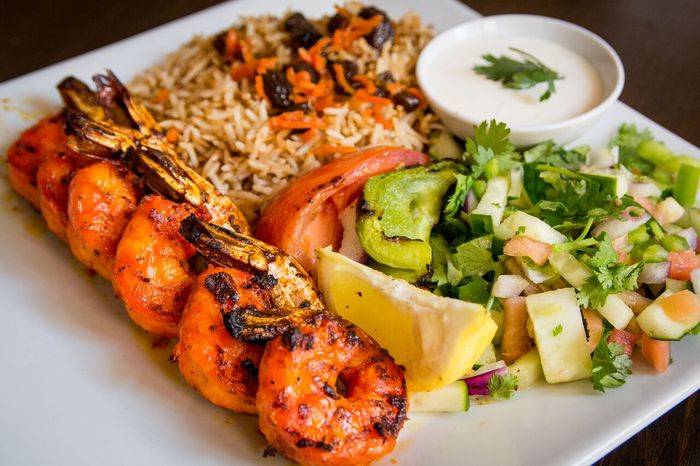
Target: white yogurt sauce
[[456, 86]]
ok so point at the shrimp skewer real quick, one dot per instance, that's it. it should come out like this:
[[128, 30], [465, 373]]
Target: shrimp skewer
[[150, 268]]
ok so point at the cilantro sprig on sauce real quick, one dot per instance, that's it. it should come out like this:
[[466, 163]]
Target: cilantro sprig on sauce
[[519, 74]]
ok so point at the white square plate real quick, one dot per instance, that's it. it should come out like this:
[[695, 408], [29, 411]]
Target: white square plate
[[81, 385]]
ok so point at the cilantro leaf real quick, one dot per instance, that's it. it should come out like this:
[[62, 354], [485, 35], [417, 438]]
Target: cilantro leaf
[[472, 259], [568, 200], [491, 135], [490, 149], [557, 330], [476, 290], [628, 139], [551, 154], [611, 365], [516, 74], [609, 275], [456, 200], [502, 386]]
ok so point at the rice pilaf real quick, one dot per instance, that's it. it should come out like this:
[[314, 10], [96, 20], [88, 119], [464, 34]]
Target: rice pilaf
[[223, 127]]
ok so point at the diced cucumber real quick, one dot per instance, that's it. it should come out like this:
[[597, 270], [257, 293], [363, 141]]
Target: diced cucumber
[[654, 151], [614, 310], [603, 157], [687, 185], [523, 223], [669, 211], [559, 335], [489, 211], [615, 181], [528, 369], [658, 325], [443, 146], [694, 219], [488, 357], [569, 268], [452, 398], [695, 280], [676, 285], [536, 273], [516, 182]]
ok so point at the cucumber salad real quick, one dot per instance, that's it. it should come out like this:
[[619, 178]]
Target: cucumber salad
[[581, 255]]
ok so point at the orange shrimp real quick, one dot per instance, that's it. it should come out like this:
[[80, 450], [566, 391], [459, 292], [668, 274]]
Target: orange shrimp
[[34, 145], [222, 368], [329, 395], [152, 274], [101, 200]]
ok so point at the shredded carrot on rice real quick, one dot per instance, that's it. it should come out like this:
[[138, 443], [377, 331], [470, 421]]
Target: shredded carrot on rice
[[295, 120], [339, 71], [172, 135]]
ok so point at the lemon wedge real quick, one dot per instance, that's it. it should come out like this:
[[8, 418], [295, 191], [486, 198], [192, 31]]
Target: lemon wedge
[[437, 340]]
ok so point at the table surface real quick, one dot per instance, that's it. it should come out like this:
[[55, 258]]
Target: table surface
[[657, 41]]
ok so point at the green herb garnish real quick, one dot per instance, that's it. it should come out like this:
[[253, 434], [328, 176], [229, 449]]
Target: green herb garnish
[[557, 330], [609, 275], [516, 74], [611, 365], [502, 386]]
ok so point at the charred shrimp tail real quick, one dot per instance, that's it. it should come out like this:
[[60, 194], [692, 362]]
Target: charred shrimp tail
[[113, 93], [82, 130], [293, 297]]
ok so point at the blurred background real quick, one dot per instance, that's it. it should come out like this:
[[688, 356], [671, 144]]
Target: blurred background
[[658, 41]]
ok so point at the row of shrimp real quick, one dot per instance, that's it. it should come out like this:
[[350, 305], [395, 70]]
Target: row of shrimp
[[254, 336]]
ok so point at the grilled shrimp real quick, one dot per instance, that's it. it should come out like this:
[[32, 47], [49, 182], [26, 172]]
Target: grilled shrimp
[[33, 147], [52, 180], [222, 368], [145, 151], [152, 273], [293, 297], [101, 201], [329, 395]]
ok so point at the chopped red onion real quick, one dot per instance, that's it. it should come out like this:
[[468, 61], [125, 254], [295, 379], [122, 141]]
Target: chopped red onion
[[479, 380], [618, 227], [690, 236], [655, 274]]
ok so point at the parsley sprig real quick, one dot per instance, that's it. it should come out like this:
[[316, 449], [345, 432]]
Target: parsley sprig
[[611, 365], [515, 74]]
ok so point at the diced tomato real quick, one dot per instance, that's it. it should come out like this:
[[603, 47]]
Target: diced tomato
[[304, 216], [682, 307], [656, 352], [515, 341], [626, 339], [523, 246], [594, 326], [682, 263]]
